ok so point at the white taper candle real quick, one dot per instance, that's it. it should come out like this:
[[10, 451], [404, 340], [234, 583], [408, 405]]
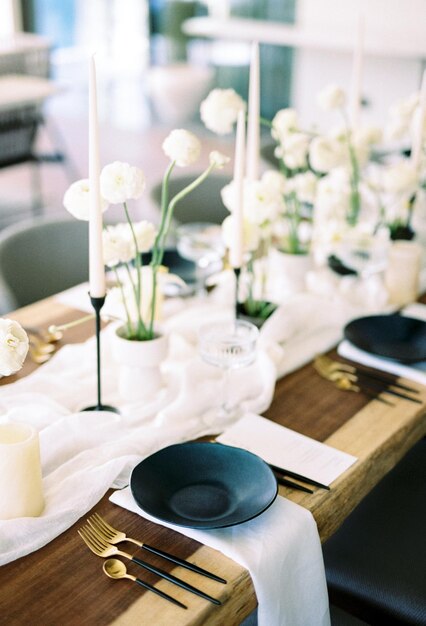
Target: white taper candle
[[357, 71], [96, 263], [417, 141], [237, 243], [253, 119]]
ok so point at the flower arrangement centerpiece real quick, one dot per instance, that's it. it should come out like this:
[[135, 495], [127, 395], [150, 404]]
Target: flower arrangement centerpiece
[[279, 205], [138, 285], [399, 179], [261, 203], [14, 345]]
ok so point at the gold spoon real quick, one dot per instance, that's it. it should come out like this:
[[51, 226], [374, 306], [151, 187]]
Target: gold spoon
[[114, 568]]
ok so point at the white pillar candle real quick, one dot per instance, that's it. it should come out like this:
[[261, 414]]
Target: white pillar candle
[[253, 119], [403, 272], [417, 142], [357, 67], [237, 243], [21, 493], [96, 263]]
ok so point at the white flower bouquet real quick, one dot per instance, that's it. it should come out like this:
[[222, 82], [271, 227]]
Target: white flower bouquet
[[124, 243]]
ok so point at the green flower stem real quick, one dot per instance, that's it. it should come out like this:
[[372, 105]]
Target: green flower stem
[[250, 303], [164, 206], [154, 270], [167, 209], [352, 217], [141, 331], [411, 204], [179, 196], [265, 122], [120, 285]]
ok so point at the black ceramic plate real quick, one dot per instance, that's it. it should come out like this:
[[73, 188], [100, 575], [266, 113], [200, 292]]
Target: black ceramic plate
[[394, 337], [183, 268], [203, 485]]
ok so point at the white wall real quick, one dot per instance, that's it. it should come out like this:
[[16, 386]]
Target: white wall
[[398, 27]]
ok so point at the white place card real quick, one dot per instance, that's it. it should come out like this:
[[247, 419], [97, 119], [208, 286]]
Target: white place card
[[287, 449]]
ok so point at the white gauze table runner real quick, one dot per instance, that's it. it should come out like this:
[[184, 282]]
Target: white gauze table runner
[[84, 454]]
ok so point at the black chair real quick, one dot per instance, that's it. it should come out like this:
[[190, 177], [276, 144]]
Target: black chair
[[376, 562], [18, 134], [39, 258]]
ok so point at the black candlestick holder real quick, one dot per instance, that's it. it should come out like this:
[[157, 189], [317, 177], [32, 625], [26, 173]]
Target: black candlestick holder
[[237, 272], [97, 304]]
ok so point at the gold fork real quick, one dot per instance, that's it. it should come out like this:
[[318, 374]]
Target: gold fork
[[325, 362], [112, 535], [104, 549], [345, 381]]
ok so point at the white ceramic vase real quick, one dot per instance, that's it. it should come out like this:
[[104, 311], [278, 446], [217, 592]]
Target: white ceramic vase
[[139, 362], [287, 273]]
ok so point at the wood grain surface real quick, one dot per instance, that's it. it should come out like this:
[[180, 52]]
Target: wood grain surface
[[63, 582]]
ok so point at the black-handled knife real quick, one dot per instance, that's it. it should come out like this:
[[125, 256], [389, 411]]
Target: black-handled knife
[[283, 472]]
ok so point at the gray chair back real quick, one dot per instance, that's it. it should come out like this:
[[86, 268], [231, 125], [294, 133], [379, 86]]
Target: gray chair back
[[204, 204], [39, 258]]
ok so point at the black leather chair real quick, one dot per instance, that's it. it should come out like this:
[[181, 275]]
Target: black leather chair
[[376, 562]]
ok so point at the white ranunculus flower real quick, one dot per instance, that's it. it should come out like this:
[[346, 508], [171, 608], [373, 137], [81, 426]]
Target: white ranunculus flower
[[121, 182], [262, 202], [368, 135], [118, 247], [229, 195], [415, 123], [401, 177], [331, 97], [295, 150], [77, 199], [182, 146], [145, 234], [304, 232], [275, 180], [251, 234], [327, 153], [219, 111], [218, 159], [333, 196], [400, 116], [284, 123], [13, 347], [305, 187]]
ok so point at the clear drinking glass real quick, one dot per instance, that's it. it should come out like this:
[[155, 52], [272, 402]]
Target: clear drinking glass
[[228, 345], [201, 242]]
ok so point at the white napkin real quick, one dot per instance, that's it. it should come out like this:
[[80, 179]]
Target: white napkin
[[415, 372], [281, 550]]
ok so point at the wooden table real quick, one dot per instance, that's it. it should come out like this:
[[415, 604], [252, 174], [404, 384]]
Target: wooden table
[[63, 584]]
